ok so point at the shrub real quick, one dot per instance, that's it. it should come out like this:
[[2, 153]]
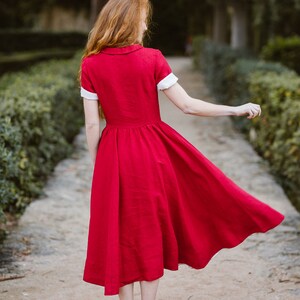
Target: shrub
[[215, 60], [283, 50], [11, 164], [197, 44], [27, 40], [40, 113], [278, 128], [235, 78], [238, 83], [239, 73], [19, 61], [22, 48]]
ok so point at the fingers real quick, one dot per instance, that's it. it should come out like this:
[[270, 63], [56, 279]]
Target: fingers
[[253, 110]]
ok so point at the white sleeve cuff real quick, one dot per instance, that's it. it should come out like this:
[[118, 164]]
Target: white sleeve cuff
[[88, 95], [167, 82]]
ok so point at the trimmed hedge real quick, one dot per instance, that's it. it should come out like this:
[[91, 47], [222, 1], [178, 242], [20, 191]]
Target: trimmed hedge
[[40, 113], [283, 50], [19, 61], [276, 134], [197, 44], [238, 79], [277, 131], [28, 40], [214, 62], [22, 48]]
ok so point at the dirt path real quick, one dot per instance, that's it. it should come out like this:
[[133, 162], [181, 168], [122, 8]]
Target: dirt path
[[49, 245]]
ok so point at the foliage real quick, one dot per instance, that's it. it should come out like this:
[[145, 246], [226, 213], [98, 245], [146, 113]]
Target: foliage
[[22, 48], [10, 157], [274, 17], [40, 113], [283, 50], [215, 60], [197, 44], [278, 128], [238, 77], [19, 61], [276, 134], [239, 73], [22, 14], [27, 40]]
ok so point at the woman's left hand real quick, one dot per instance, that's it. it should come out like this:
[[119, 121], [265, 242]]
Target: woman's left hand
[[250, 109]]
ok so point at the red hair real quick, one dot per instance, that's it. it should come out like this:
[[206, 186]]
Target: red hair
[[117, 25]]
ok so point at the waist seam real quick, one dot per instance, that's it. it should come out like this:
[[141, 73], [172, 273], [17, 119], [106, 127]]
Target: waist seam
[[132, 125]]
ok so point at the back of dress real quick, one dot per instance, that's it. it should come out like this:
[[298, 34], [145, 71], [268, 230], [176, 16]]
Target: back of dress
[[126, 81], [156, 200]]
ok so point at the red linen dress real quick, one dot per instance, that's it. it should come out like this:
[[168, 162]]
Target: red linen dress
[[156, 200]]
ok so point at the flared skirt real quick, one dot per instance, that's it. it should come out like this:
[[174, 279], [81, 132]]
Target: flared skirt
[[157, 202]]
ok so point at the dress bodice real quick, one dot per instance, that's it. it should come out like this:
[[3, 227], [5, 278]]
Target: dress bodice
[[126, 81]]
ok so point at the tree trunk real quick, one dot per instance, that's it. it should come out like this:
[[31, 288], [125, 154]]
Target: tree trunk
[[239, 24], [96, 6], [220, 21]]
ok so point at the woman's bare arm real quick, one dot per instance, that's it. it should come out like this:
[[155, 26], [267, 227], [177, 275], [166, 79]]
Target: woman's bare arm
[[189, 105], [92, 126]]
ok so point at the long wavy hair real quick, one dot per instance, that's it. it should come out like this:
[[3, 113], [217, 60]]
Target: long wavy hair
[[117, 25]]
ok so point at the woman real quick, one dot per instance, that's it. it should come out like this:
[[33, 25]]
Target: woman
[[156, 200]]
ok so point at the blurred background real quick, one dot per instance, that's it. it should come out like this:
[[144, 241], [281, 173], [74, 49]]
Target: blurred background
[[246, 50], [57, 28]]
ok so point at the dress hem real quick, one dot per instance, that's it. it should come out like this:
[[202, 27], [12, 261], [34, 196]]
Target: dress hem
[[185, 261]]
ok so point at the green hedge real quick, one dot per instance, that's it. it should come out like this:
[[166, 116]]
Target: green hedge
[[40, 113], [283, 50], [197, 44], [238, 79], [18, 61], [214, 62], [278, 128], [22, 48], [276, 133], [27, 40]]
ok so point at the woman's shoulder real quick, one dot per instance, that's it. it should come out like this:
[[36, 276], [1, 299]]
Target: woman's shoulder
[[153, 51], [89, 58]]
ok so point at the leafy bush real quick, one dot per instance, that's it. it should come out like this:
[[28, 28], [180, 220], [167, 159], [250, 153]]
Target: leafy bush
[[215, 60], [197, 50], [10, 159], [40, 113], [19, 61], [283, 50], [278, 128], [276, 134], [21, 48], [238, 77], [28, 40], [239, 73]]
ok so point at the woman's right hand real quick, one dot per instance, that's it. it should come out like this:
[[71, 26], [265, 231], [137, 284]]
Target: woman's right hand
[[250, 109]]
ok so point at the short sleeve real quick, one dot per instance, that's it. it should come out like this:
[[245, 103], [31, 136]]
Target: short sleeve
[[87, 90], [164, 76]]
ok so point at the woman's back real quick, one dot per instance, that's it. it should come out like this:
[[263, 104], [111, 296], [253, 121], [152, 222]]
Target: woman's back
[[126, 81]]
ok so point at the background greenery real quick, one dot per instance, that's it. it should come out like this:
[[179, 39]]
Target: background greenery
[[236, 77], [175, 21], [22, 48], [40, 113]]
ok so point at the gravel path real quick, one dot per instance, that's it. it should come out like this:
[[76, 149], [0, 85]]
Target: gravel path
[[47, 249]]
